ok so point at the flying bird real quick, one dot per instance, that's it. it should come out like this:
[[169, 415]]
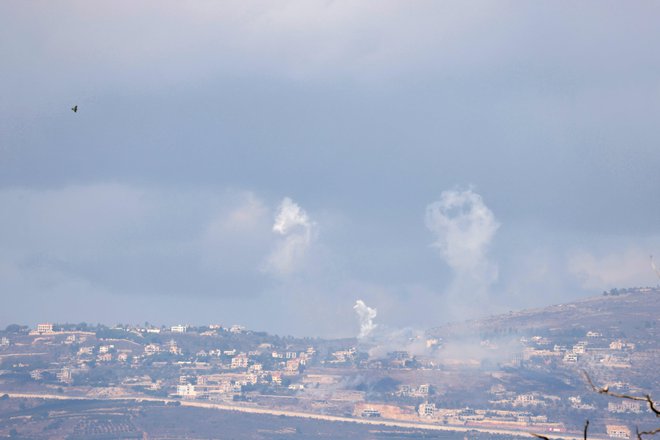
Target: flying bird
[[75, 108]]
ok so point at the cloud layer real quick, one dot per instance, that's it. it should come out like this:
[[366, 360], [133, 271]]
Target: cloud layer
[[168, 183]]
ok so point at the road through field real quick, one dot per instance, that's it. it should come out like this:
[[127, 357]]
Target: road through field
[[306, 415]]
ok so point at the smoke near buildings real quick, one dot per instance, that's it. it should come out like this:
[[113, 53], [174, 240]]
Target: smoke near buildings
[[366, 317]]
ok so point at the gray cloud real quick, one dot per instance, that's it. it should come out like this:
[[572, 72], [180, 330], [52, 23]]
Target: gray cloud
[[549, 109], [135, 240]]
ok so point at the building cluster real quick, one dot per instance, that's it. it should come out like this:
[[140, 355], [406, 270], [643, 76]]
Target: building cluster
[[211, 372], [229, 364], [489, 418], [594, 348]]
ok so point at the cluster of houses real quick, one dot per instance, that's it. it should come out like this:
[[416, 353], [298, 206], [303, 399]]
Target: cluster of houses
[[229, 372], [614, 353]]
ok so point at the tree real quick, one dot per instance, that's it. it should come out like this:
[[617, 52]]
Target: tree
[[605, 390]]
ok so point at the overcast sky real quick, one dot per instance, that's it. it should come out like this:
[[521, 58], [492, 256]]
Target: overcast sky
[[269, 163]]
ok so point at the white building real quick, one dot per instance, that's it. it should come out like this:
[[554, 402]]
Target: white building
[[186, 391], [624, 406], [427, 409], [240, 361], [179, 328], [580, 347], [105, 348], [237, 328], [45, 328], [151, 349], [65, 376], [525, 400], [618, 431]]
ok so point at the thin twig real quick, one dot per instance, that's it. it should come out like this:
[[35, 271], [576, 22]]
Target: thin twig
[[640, 434], [646, 398]]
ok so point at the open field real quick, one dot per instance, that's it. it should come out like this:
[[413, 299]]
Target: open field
[[165, 418]]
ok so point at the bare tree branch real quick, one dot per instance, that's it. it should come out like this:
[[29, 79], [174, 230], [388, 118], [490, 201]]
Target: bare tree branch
[[640, 434], [646, 398]]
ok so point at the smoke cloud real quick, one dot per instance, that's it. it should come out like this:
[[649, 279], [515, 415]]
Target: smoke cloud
[[654, 267], [464, 228], [297, 231], [366, 317]]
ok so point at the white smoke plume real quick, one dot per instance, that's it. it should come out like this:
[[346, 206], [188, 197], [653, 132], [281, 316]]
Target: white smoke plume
[[297, 231], [654, 267], [464, 228], [366, 317]]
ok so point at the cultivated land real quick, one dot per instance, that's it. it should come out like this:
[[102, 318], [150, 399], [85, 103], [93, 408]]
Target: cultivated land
[[493, 378]]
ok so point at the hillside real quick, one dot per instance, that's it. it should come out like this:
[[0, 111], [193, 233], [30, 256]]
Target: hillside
[[630, 313]]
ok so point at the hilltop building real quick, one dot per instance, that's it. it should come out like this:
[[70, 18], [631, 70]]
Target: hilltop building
[[45, 328], [179, 328]]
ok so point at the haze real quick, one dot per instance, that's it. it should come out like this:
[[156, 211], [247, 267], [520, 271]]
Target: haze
[[269, 164]]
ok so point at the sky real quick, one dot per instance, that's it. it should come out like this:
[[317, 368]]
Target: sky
[[271, 163]]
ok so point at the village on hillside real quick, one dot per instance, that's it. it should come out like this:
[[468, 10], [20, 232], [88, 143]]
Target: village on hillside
[[517, 372]]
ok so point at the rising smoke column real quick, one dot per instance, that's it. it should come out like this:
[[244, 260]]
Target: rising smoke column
[[464, 228], [366, 317], [297, 231], [654, 267]]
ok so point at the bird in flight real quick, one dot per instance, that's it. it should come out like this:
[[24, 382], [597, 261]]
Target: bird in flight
[[75, 108]]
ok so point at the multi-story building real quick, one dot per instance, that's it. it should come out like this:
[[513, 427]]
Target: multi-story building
[[65, 375], [151, 349], [186, 391], [624, 406], [240, 361], [179, 328], [618, 431], [427, 409], [45, 328]]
